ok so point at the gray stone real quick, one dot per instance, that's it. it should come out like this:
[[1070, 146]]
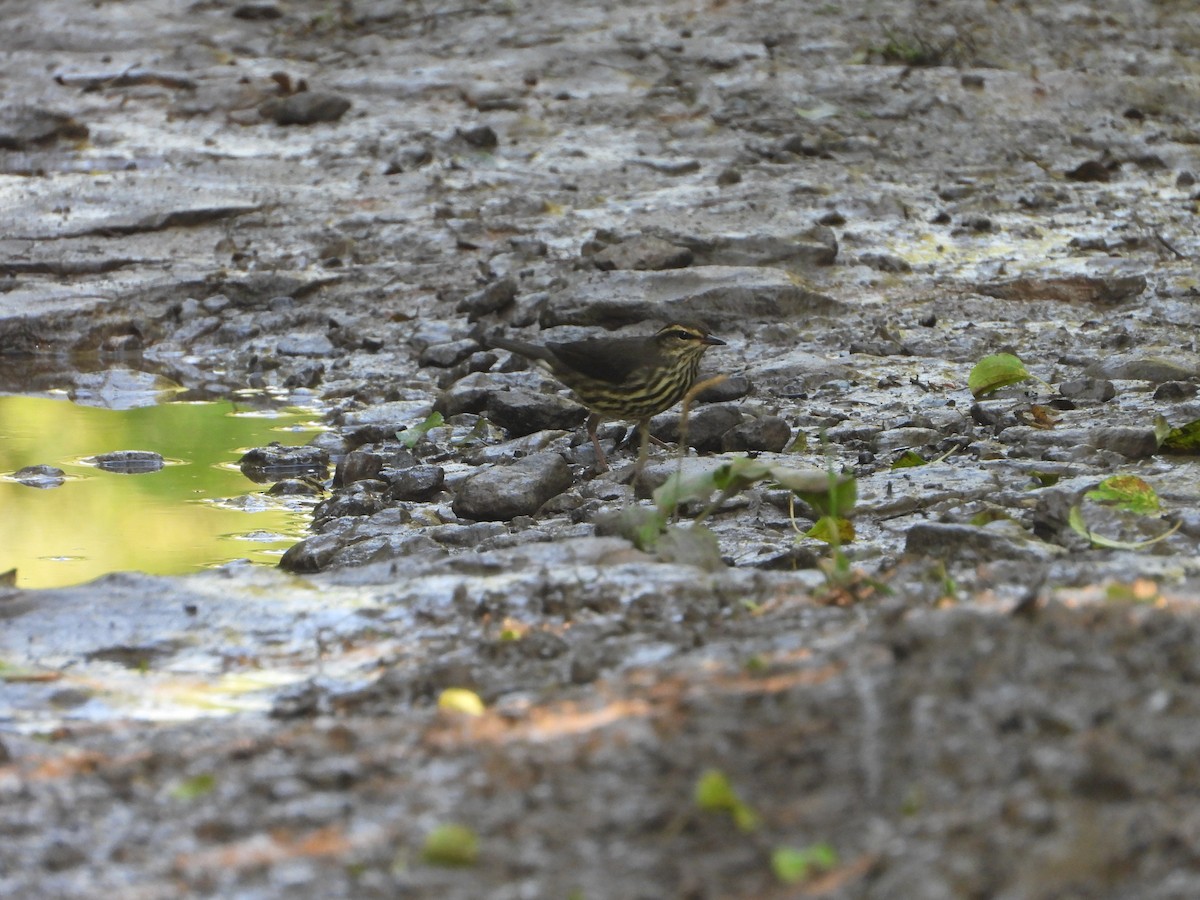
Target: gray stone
[[1128, 440], [1088, 389], [498, 295], [1004, 540], [305, 345], [765, 433], [816, 246], [414, 483], [644, 252], [904, 439], [305, 108], [721, 296], [504, 492], [707, 426], [356, 466], [41, 476], [521, 412], [1155, 369], [446, 355]]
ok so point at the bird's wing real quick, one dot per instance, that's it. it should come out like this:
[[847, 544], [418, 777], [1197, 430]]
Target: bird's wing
[[521, 348], [605, 359]]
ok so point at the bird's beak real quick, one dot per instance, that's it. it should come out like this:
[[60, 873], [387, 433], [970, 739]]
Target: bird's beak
[[712, 341]]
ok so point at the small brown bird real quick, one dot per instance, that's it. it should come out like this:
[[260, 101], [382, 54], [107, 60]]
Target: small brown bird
[[626, 378]]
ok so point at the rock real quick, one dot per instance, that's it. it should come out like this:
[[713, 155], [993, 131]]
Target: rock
[[1106, 290], [383, 547], [128, 462], [305, 108], [522, 412], [673, 167], [644, 252], [1175, 390], [496, 296], [311, 554], [257, 12], [27, 127], [356, 466], [971, 543], [707, 426], [481, 137], [363, 498], [1099, 389], [40, 476], [721, 296], [413, 483], [305, 345], [1155, 369], [294, 487], [446, 355], [1130, 441], [733, 387], [904, 439], [276, 462], [765, 433], [884, 262], [504, 492], [815, 246]]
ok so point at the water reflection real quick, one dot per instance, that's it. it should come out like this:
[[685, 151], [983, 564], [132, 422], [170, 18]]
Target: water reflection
[[183, 517]]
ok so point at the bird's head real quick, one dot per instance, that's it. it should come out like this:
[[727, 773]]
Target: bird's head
[[678, 338]]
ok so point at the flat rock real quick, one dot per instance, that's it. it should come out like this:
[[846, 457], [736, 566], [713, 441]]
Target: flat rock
[[1155, 369], [1104, 290], [500, 493], [521, 412], [706, 427], [720, 296], [769, 434], [644, 252], [304, 109], [815, 246]]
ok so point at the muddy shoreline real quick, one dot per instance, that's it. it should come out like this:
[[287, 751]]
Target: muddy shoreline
[[341, 201]]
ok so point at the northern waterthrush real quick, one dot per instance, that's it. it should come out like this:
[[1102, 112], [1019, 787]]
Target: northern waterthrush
[[627, 378]]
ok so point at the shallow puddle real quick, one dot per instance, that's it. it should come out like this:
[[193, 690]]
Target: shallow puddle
[[197, 511]]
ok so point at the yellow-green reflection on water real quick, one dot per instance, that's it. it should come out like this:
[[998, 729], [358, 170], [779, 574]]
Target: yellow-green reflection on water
[[160, 522]]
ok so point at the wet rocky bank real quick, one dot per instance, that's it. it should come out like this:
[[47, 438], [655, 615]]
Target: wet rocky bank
[[989, 691]]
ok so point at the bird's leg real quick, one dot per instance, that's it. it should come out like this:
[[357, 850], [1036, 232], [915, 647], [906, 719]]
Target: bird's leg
[[601, 460], [643, 451]]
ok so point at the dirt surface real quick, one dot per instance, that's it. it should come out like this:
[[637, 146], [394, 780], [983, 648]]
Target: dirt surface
[[995, 695]]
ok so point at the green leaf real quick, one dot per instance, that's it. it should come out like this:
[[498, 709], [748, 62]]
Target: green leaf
[[908, 459], [451, 845], [837, 498], [741, 473], [679, 489], [641, 526], [1127, 492], [410, 437], [1185, 439], [745, 818], [195, 787], [1075, 520], [994, 372], [831, 530], [792, 866], [714, 793], [461, 700]]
